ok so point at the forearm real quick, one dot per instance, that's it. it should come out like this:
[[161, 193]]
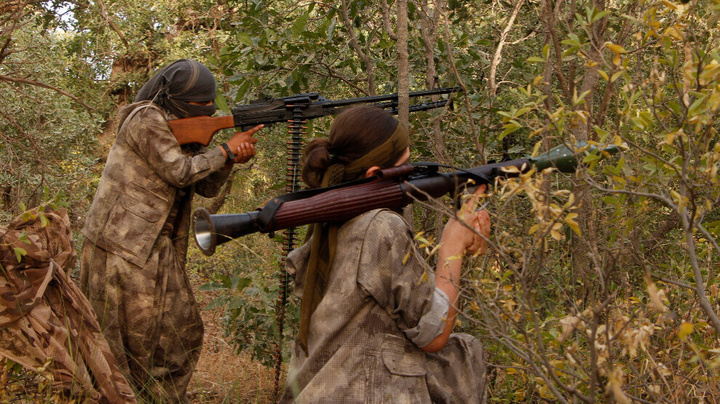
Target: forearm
[[181, 170], [457, 240], [447, 279]]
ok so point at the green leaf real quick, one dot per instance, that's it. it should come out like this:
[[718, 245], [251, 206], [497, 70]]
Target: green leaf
[[573, 41], [221, 103], [713, 227], [236, 302], [331, 29], [535, 59], [217, 302], [522, 111], [44, 220], [299, 26], [580, 99], [610, 200], [599, 16], [211, 286], [616, 75], [244, 38], [696, 106], [24, 237], [239, 283], [510, 127], [19, 253], [591, 158]]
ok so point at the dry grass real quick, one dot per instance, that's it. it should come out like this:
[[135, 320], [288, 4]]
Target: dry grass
[[223, 376]]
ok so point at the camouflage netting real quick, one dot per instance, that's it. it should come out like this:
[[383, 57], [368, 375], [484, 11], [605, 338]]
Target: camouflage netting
[[43, 314]]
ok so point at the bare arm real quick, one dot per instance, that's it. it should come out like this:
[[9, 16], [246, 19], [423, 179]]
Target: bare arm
[[457, 241]]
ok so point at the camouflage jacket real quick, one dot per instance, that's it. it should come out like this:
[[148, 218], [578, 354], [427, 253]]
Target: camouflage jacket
[[145, 171], [379, 307]]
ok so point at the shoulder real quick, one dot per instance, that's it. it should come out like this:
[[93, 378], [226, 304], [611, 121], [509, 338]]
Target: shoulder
[[143, 124], [381, 221], [377, 230], [142, 114]]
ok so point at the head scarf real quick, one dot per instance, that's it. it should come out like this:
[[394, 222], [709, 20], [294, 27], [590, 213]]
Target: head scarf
[[176, 85], [324, 240]]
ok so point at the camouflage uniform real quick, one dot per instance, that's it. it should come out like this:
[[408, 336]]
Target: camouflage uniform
[[133, 260], [44, 317], [364, 337]]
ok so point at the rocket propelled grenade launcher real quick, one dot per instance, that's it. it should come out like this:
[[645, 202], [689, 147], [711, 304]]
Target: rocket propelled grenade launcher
[[392, 188]]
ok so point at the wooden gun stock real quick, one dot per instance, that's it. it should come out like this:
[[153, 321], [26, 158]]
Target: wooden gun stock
[[199, 129]]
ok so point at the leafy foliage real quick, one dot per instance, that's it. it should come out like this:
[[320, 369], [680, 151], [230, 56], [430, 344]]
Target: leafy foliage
[[639, 322], [19, 385], [599, 286]]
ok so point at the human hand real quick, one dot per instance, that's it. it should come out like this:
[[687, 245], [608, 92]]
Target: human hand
[[244, 153], [242, 144], [468, 233]]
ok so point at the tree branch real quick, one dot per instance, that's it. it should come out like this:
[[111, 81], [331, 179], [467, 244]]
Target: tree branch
[[386, 20], [43, 85], [497, 56], [369, 68]]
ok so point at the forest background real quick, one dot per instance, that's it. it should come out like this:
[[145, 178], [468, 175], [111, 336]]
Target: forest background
[[599, 287]]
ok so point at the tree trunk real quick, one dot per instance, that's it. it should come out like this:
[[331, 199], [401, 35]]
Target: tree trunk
[[428, 22], [581, 132], [403, 78]]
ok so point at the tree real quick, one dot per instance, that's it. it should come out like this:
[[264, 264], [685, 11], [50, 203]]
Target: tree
[[600, 286], [46, 109], [619, 321]]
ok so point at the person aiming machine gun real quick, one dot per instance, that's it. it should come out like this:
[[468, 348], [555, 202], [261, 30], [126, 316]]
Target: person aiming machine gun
[[392, 188]]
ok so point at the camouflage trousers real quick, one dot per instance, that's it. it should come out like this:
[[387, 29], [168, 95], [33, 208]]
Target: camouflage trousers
[[148, 315]]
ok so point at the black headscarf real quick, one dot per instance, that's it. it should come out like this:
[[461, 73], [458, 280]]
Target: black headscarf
[[173, 87]]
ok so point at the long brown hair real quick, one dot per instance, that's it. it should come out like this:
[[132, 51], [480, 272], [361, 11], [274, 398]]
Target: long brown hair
[[355, 132]]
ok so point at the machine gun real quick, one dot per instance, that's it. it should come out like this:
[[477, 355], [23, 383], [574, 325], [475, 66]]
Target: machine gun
[[392, 188], [268, 111]]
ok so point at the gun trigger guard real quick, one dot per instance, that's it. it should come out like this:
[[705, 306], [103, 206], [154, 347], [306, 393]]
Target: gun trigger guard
[[245, 128], [479, 180]]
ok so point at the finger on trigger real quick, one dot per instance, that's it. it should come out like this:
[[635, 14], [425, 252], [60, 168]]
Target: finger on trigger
[[255, 129]]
